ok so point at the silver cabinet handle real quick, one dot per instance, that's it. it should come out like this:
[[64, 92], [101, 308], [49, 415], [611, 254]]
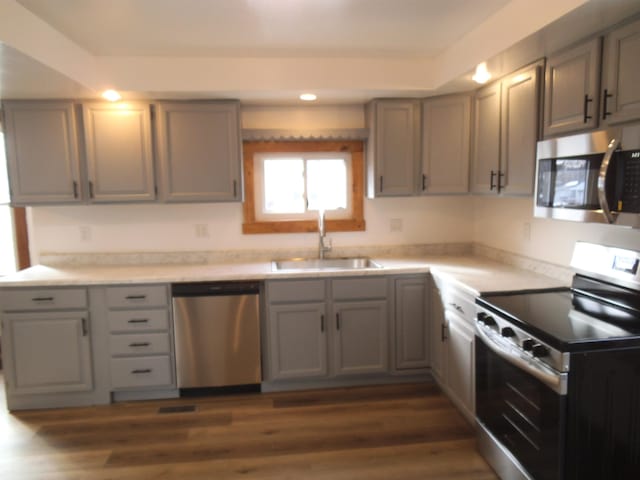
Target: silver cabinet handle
[[602, 180]]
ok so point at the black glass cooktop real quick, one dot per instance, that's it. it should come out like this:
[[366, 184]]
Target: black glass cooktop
[[566, 320]]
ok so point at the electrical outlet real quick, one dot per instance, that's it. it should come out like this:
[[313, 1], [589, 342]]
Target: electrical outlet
[[202, 230], [85, 233], [395, 225]]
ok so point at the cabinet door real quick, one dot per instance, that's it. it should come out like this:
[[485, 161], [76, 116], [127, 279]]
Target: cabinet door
[[571, 89], [411, 326], [445, 144], [395, 142], [47, 352], [519, 132], [297, 341], [118, 151], [361, 338], [486, 141], [437, 345], [199, 151], [460, 362], [621, 94], [42, 152]]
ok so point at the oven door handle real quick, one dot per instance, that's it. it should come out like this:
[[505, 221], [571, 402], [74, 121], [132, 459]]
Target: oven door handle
[[554, 380], [602, 180]]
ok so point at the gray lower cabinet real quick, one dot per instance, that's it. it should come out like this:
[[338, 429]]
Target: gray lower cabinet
[[46, 170], [327, 328], [412, 333], [452, 344], [47, 347], [571, 97], [140, 340], [361, 337], [47, 352], [621, 75], [199, 147], [297, 341]]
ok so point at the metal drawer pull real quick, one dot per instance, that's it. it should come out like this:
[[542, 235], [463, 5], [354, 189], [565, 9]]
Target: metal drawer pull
[[138, 320], [136, 297], [605, 97], [42, 299], [322, 323], [141, 370], [587, 117], [84, 327], [338, 321], [139, 344], [491, 177]]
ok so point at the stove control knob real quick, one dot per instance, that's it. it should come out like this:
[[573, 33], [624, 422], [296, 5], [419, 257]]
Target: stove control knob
[[540, 351], [528, 344], [489, 321], [508, 332], [482, 317]]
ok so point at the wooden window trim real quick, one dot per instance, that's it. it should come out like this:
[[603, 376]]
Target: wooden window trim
[[21, 236], [353, 224]]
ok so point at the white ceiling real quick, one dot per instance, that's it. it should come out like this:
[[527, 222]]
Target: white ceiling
[[271, 50]]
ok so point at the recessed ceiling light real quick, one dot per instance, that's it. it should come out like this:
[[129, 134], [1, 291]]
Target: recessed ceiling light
[[111, 95], [482, 75], [308, 97]]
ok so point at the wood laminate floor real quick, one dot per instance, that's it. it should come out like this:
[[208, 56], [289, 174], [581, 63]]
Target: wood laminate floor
[[403, 432]]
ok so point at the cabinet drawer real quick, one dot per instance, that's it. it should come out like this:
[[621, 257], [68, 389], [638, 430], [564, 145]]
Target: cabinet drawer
[[140, 344], [138, 320], [296, 291], [141, 372], [43, 299], [137, 296], [457, 301], [352, 288]]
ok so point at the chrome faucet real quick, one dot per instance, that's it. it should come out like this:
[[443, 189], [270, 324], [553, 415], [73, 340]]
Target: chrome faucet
[[324, 244]]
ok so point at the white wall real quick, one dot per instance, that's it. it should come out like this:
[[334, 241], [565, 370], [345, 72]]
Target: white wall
[[508, 224]]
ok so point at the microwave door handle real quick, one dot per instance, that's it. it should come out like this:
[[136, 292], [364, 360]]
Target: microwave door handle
[[602, 180]]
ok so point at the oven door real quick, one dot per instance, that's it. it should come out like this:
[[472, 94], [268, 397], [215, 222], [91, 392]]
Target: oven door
[[521, 420]]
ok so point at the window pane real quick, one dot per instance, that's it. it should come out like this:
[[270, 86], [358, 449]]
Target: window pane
[[284, 185], [327, 184]]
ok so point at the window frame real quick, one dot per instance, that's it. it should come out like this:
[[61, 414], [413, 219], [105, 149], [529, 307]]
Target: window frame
[[355, 222]]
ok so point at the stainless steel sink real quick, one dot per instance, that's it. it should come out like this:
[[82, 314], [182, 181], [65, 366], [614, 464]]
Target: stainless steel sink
[[298, 264]]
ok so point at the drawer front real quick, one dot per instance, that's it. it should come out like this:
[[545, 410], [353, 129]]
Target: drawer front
[[459, 302], [141, 372], [354, 288], [296, 291], [137, 296], [43, 299], [138, 320], [140, 344]]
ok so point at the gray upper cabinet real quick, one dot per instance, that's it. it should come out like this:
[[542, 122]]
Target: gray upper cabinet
[[520, 131], [621, 76], [42, 152], [393, 148], [486, 140], [572, 89], [506, 130], [445, 144], [199, 147], [119, 152]]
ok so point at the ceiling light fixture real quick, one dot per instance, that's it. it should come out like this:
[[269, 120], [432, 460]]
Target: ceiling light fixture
[[482, 75], [111, 95], [308, 97]]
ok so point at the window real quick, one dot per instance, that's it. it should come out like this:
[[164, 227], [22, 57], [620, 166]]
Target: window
[[287, 183]]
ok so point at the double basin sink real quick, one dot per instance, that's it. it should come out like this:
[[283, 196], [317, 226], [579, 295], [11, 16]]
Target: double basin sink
[[302, 264]]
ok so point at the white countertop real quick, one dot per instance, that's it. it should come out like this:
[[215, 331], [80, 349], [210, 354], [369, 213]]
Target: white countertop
[[474, 273]]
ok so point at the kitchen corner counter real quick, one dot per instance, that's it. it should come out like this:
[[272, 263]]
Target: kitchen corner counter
[[474, 273]]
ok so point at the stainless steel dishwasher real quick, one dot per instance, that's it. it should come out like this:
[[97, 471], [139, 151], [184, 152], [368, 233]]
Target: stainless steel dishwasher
[[217, 334]]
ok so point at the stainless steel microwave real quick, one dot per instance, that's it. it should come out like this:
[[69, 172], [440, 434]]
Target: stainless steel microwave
[[591, 177]]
